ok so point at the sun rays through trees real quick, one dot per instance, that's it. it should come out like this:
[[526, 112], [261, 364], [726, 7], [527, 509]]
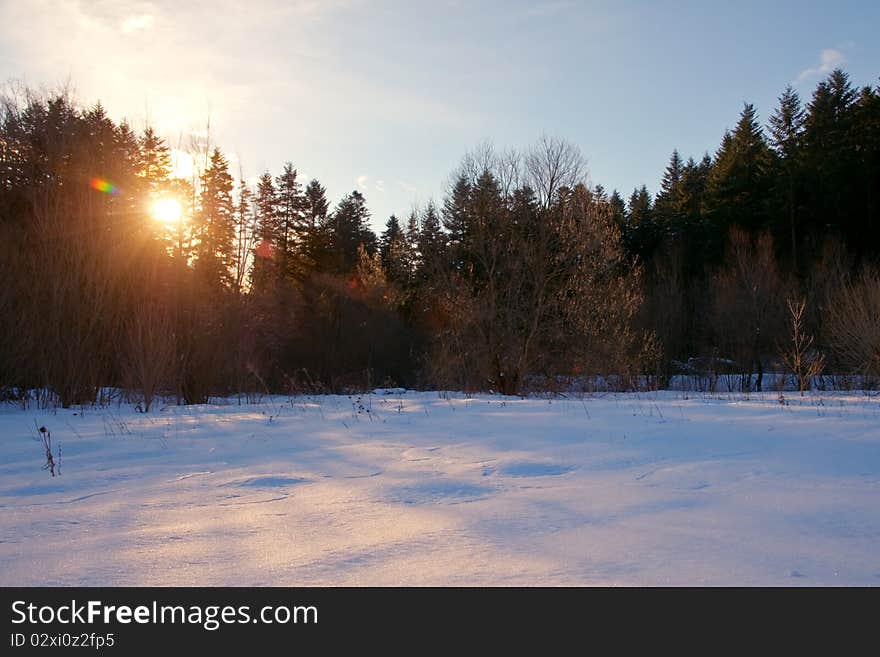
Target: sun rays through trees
[[758, 258]]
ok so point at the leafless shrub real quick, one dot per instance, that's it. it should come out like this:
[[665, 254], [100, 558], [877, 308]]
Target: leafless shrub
[[45, 438], [148, 354], [852, 322], [748, 301], [800, 357]]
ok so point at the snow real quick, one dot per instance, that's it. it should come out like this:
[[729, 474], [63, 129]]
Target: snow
[[419, 488]]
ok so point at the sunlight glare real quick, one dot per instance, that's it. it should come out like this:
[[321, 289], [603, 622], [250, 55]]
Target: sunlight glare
[[167, 210]]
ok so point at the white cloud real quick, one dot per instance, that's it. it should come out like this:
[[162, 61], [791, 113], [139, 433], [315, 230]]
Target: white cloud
[[137, 23], [367, 184], [829, 59]]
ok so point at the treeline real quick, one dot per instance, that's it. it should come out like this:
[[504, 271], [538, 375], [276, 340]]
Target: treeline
[[756, 259], [780, 216]]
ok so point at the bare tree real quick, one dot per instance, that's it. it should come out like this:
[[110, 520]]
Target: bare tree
[[800, 357], [748, 298], [552, 164]]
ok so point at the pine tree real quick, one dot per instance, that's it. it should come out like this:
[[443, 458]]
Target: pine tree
[[641, 236], [432, 243], [667, 205], [245, 234], [457, 219], [289, 222], [215, 223], [412, 240], [786, 131], [740, 182], [316, 237], [395, 253], [618, 210], [349, 228], [123, 154], [866, 136], [640, 207], [315, 204], [265, 219], [830, 157], [671, 179], [692, 189], [154, 164]]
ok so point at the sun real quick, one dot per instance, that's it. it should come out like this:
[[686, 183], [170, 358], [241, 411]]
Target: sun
[[167, 211]]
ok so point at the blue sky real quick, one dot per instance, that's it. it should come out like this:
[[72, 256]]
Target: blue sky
[[387, 96]]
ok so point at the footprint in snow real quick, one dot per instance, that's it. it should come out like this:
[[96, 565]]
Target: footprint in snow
[[535, 469], [445, 492], [270, 482]]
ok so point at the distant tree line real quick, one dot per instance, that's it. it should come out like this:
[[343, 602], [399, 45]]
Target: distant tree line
[[762, 257]]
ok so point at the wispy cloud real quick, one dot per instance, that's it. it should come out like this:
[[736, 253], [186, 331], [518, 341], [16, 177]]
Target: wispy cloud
[[367, 184], [829, 59], [138, 23]]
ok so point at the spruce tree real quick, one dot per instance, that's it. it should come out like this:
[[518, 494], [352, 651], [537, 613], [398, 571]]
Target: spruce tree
[[265, 218], [395, 253], [786, 132], [830, 157], [618, 210], [215, 223], [457, 219], [289, 223], [316, 237], [667, 205], [866, 136], [349, 228], [154, 163], [740, 182], [641, 236], [315, 205]]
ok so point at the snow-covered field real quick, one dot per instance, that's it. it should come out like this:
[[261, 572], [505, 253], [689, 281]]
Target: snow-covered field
[[429, 488]]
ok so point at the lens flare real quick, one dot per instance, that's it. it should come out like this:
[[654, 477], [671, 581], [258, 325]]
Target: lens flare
[[103, 185]]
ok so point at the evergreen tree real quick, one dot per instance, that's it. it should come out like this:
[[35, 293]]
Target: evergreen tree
[[412, 240], [349, 228], [830, 157], [265, 204], [618, 210], [289, 223], [692, 190], [432, 243], [395, 253], [245, 234], [215, 223], [316, 237], [124, 154], [667, 205], [786, 131], [457, 219], [740, 182], [866, 131], [315, 204], [641, 236], [154, 164]]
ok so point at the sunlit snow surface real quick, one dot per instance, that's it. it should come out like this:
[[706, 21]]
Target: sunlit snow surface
[[431, 488]]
